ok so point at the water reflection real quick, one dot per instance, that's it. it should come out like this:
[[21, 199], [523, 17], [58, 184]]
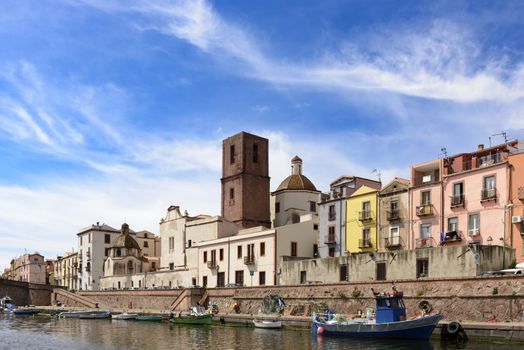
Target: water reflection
[[48, 333]]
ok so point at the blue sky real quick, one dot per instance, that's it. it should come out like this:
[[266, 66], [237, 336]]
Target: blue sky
[[112, 111]]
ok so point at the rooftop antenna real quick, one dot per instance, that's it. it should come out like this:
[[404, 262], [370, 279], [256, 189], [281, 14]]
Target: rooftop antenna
[[444, 152], [376, 171], [503, 134]]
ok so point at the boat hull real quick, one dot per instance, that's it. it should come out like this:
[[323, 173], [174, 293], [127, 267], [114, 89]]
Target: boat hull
[[149, 318], [193, 319], [25, 312], [85, 314], [421, 328], [95, 315], [124, 316], [267, 324]]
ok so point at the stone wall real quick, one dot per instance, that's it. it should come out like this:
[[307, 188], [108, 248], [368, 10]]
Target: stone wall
[[442, 262], [24, 293], [473, 299], [164, 300]]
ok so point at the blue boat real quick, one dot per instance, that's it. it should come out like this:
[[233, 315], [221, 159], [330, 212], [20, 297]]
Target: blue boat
[[390, 322], [25, 312]]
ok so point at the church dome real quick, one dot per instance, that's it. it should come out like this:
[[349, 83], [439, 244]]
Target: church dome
[[124, 240], [296, 181]]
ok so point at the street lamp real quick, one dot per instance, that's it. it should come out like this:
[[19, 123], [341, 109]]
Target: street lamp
[[507, 206]]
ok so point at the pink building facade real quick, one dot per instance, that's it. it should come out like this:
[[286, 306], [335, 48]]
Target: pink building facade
[[425, 198], [31, 268]]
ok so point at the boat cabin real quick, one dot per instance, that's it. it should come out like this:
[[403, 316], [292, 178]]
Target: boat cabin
[[390, 309]]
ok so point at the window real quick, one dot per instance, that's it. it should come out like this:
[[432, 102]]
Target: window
[[425, 230], [489, 190], [214, 256], [205, 257], [171, 266], [381, 271], [343, 273], [80, 240], [474, 224], [331, 234], [425, 198], [365, 234], [393, 206], [107, 252], [146, 244], [453, 224], [251, 251], [312, 207], [293, 248], [204, 281], [171, 244], [231, 154], [295, 218], [332, 213], [239, 252], [189, 243], [331, 252], [231, 193], [422, 267], [315, 227], [315, 250], [221, 254], [394, 236], [221, 279], [239, 277], [107, 238], [89, 239], [262, 248], [118, 252], [303, 277], [366, 206], [255, 153], [489, 182], [458, 189], [262, 278], [277, 207], [193, 281]]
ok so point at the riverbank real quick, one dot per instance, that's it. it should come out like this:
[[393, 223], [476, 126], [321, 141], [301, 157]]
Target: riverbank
[[503, 331]]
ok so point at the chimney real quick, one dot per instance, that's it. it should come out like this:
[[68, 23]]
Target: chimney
[[480, 147]]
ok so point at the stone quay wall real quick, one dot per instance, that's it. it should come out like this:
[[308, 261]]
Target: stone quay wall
[[473, 299], [24, 293]]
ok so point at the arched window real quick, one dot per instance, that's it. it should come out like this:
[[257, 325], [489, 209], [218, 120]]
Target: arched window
[[118, 252]]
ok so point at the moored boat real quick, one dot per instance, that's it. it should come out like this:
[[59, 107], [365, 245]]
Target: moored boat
[[75, 314], [95, 315], [193, 319], [149, 318], [124, 316], [25, 312], [267, 324], [390, 322], [6, 304]]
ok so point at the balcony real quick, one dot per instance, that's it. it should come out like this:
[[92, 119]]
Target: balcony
[[488, 194], [365, 215], [79, 268], [393, 215], [364, 243], [392, 242], [472, 232], [330, 239], [457, 200], [211, 264], [452, 236], [249, 260], [425, 242], [424, 210]]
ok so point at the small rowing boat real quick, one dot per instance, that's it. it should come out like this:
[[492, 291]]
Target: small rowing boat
[[149, 318], [95, 315], [124, 316], [267, 324], [25, 312]]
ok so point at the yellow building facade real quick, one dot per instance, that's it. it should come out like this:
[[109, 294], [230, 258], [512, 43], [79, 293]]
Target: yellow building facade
[[361, 220]]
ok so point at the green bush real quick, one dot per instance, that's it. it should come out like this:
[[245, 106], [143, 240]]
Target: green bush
[[419, 293], [494, 291], [355, 293]]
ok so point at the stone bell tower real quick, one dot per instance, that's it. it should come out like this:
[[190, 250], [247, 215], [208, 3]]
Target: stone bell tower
[[245, 180]]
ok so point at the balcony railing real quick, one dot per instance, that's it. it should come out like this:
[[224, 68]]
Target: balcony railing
[[365, 215], [489, 194], [211, 264], [249, 260], [391, 242], [393, 215], [452, 236], [424, 210], [332, 216], [364, 243], [457, 200], [472, 232], [331, 239], [425, 242]]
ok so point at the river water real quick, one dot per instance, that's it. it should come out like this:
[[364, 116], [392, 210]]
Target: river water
[[60, 334]]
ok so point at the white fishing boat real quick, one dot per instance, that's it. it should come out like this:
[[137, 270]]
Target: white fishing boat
[[268, 324], [124, 316]]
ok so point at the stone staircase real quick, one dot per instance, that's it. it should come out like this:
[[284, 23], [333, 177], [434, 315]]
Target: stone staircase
[[64, 296]]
